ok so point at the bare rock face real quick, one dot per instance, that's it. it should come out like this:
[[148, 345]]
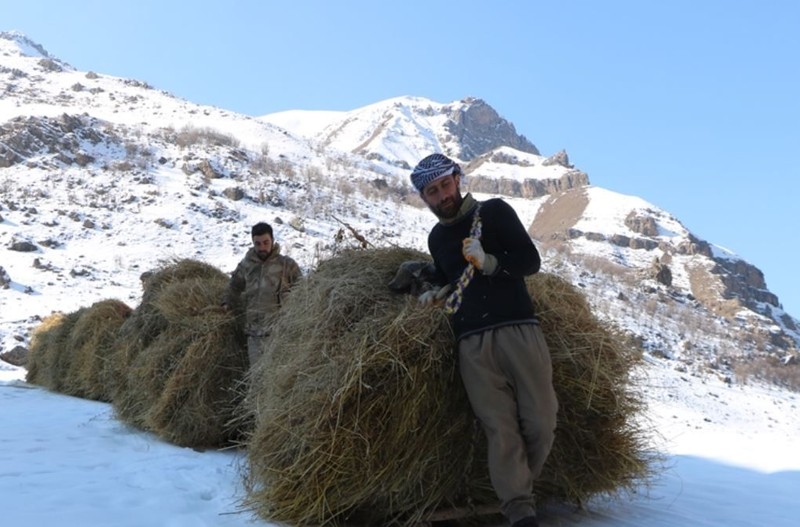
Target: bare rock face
[[23, 137], [479, 129], [529, 188], [18, 356], [695, 246], [23, 246], [208, 170], [745, 282], [559, 158], [642, 224], [234, 193], [5, 280], [661, 273]]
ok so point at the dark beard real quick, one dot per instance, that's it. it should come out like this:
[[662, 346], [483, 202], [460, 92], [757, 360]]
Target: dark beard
[[449, 209]]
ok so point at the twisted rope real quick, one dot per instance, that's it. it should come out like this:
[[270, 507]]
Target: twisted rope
[[453, 302]]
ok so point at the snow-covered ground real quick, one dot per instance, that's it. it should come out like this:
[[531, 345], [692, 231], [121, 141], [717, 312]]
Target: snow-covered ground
[[731, 460]]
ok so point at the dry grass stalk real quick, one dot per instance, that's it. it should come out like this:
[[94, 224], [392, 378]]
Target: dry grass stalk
[[172, 366], [353, 377], [181, 358], [199, 398], [147, 322], [359, 414], [91, 342], [49, 362], [600, 445]]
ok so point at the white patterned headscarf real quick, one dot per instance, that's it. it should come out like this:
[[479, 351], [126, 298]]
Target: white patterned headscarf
[[432, 168]]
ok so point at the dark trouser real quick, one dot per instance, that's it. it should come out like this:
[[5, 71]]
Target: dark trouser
[[508, 377]]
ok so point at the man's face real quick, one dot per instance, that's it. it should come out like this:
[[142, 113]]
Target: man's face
[[443, 196], [263, 245]]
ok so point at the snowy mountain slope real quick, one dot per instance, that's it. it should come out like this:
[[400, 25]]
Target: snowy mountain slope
[[37, 84], [680, 296], [103, 182]]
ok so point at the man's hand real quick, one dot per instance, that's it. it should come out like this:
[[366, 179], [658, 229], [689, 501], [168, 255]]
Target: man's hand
[[473, 252], [435, 296]]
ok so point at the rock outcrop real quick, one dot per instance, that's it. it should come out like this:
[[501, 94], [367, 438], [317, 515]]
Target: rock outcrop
[[479, 129]]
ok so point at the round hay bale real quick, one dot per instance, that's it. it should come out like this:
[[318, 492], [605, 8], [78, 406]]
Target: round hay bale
[[91, 342], [49, 357], [182, 358], [359, 413], [147, 322], [147, 374], [358, 410], [201, 395], [600, 446]]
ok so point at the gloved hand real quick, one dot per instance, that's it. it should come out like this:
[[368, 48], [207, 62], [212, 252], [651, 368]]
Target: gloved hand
[[473, 252], [435, 295]]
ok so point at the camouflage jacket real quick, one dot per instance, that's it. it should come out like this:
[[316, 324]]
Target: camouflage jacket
[[258, 287]]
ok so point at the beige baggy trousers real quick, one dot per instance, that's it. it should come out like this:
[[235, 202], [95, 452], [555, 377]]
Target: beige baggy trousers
[[508, 376]]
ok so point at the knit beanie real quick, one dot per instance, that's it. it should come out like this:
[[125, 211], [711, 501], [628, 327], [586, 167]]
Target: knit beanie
[[431, 168]]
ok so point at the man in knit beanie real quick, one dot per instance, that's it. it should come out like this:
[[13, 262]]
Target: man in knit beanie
[[482, 253]]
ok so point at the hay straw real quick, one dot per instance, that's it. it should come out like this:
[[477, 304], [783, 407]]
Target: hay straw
[[359, 414], [91, 342], [355, 377], [173, 366], [147, 375], [145, 325], [49, 362], [181, 358], [147, 322], [200, 397], [600, 445]]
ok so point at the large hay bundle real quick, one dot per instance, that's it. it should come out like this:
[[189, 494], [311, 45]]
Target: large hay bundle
[[600, 445], [359, 414], [353, 379], [202, 394], [180, 358], [90, 344], [49, 358], [147, 322]]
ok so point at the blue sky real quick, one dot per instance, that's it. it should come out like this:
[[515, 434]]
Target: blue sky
[[691, 105]]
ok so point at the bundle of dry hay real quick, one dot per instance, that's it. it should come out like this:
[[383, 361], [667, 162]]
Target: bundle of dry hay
[[360, 416], [180, 358], [601, 445], [147, 322], [48, 363], [69, 351], [172, 366], [90, 344]]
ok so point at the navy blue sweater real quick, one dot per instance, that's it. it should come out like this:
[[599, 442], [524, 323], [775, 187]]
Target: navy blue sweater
[[492, 300]]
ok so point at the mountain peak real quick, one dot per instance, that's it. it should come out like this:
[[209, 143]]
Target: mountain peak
[[21, 51], [479, 129], [464, 129], [24, 45]]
